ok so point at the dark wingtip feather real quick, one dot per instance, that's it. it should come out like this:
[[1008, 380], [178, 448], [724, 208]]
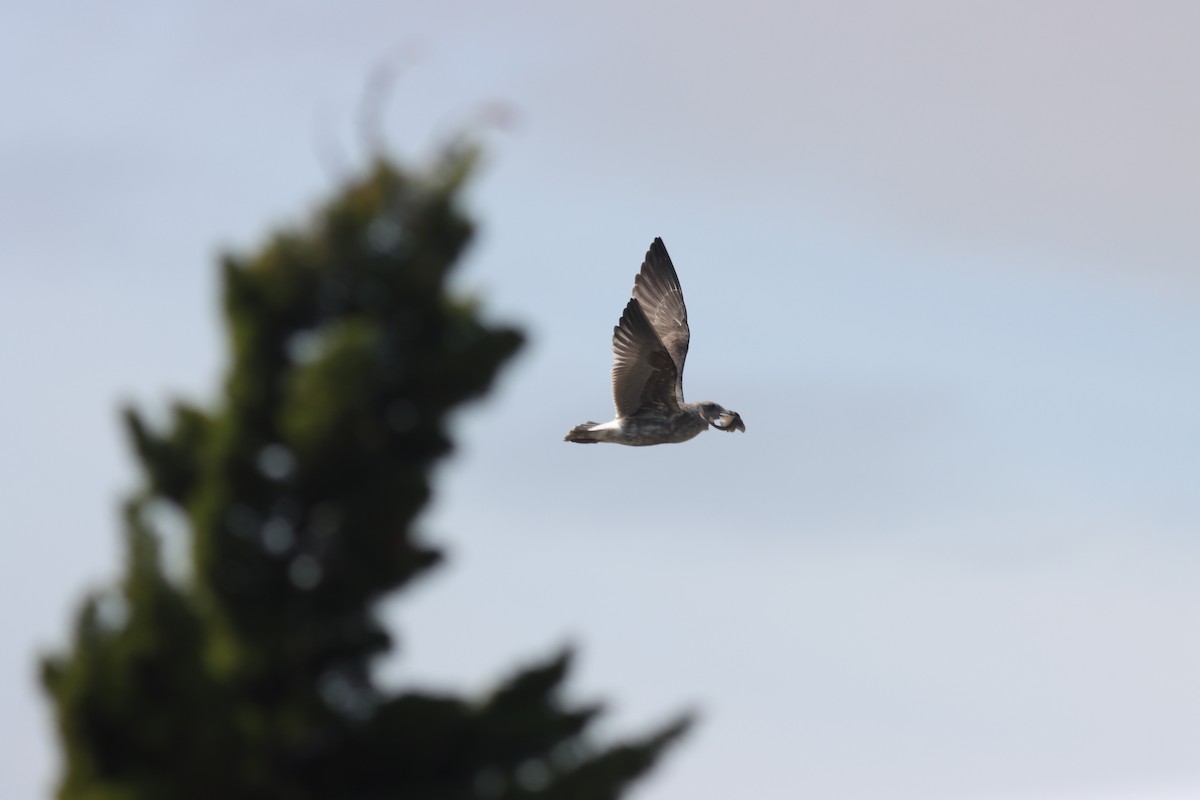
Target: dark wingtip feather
[[635, 321]]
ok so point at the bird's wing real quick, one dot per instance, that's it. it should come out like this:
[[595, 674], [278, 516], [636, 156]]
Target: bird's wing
[[644, 374], [657, 290]]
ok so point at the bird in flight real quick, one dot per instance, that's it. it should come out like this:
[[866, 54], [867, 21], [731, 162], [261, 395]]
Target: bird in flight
[[650, 344]]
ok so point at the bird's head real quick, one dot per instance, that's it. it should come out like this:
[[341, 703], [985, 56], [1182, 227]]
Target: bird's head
[[721, 418]]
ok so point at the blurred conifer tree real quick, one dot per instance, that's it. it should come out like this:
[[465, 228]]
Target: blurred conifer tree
[[251, 677]]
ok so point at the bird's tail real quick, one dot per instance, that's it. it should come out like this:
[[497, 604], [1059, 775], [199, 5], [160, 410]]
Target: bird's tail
[[582, 434]]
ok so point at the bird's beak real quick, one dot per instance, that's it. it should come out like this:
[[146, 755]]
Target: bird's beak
[[731, 421]]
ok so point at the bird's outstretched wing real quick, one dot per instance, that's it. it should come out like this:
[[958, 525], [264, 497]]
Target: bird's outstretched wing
[[657, 290], [644, 374]]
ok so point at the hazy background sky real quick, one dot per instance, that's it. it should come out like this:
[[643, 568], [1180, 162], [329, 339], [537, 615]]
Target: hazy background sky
[[942, 256]]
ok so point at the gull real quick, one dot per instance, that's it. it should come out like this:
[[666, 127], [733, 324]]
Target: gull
[[650, 344]]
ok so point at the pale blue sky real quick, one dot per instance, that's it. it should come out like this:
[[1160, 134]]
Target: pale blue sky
[[941, 256]]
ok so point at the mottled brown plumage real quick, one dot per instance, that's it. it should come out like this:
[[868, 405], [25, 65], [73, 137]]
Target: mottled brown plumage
[[650, 346]]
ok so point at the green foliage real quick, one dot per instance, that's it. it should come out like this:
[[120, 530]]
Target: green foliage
[[251, 678]]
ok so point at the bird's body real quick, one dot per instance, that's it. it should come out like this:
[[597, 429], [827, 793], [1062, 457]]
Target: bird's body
[[643, 429], [650, 345]]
